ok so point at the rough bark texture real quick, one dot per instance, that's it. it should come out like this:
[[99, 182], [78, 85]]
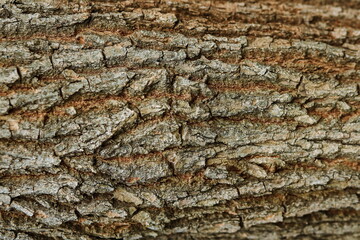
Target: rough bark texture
[[179, 119]]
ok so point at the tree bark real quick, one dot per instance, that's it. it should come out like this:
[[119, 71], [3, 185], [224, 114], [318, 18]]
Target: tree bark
[[149, 119]]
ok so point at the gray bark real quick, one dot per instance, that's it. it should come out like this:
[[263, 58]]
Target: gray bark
[[179, 119]]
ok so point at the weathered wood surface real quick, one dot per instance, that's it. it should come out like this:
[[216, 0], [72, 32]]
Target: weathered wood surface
[[179, 119]]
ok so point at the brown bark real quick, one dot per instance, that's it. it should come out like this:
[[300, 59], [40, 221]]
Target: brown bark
[[179, 119]]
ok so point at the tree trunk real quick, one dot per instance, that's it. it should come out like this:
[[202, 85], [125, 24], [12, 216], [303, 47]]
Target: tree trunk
[[182, 119]]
